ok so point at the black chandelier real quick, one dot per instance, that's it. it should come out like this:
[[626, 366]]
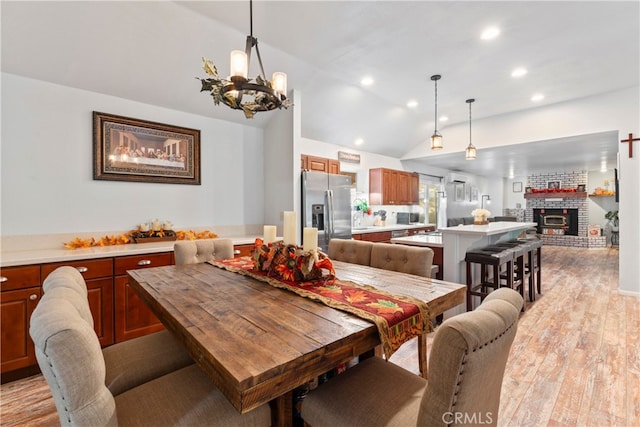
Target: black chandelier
[[238, 91]]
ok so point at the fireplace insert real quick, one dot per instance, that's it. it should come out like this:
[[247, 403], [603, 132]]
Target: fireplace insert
[[557, 221]]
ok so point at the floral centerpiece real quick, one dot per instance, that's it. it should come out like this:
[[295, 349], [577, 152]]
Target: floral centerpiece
[[290, 262], [480, 216]]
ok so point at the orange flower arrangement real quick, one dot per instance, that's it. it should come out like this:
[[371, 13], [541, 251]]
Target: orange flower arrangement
[[124, 239]]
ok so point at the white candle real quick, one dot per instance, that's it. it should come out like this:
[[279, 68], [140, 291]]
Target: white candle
[[269, 234], [310, 240], [144, 227], [167, 225], [155, 225], [289, 228]]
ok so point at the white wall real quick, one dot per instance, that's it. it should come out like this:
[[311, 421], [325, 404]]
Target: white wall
[[47, 167]]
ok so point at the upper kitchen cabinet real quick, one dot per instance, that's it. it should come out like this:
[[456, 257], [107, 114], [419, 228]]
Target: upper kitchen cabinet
[[319, 164], [393, 187]]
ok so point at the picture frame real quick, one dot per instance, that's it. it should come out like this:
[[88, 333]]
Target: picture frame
[[128, 149], [459, 192], [517, 187], [553, 185], [474, 194]]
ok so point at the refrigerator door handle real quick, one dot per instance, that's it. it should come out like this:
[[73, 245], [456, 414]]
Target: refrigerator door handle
[[329, 215]]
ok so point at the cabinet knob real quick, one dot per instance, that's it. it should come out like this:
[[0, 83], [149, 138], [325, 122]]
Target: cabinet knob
[[33, 297], [236, 252], [3, 279], [144, 262], [82, 269]]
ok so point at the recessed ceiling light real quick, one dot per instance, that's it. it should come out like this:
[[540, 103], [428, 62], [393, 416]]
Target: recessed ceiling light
[[490, 33], [537, 97], [519, 72], [412, 103], [359, 141], [443, 118], [366, 81]]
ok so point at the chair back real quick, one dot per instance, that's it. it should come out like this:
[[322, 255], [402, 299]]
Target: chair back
[[69, 281], [402, 258], [353, 251], [199, 251], [467, 363], [70, 357]]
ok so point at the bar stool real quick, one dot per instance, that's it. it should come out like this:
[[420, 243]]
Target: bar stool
[[493, 257], [533, 266], [520, 276]]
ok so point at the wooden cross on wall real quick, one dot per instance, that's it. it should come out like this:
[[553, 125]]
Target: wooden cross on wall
[[630, 141]]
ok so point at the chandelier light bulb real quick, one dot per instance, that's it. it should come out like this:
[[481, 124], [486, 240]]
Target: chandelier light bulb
[[279, 82], [239, 64]]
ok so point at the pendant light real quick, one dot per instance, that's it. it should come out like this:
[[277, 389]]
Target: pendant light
[[436, 138], [470, 152], [238, 91]]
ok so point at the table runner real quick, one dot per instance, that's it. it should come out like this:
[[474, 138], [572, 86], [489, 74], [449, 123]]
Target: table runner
[[398, 318]]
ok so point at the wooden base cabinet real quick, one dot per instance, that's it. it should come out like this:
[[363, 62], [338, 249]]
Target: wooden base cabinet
[[98, 275], [132, 316], [19, 295]]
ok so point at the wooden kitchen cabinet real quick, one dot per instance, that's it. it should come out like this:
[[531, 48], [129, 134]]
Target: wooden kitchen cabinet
[[393, 187], [377, 237], [319, 164], [19, 295], [242, 250], [132, 316], [98, 275]]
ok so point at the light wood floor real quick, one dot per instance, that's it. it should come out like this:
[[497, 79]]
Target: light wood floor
[[575, 360]]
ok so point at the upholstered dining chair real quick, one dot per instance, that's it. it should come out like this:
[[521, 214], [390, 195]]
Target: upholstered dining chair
[[202, 250], [466, 365], [352, 251], [69, 355], [128, 363], [402, 258]]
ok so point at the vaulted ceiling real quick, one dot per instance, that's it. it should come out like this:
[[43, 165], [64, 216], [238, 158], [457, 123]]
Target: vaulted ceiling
[[151, 52]]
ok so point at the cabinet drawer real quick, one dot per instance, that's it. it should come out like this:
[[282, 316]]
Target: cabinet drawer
[[135, 262], [19, 277], [243, 250], [90, 269]]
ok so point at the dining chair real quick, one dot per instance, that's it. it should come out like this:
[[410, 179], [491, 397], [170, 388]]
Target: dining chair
[[352, 251], [128, 363], [466, 365], [202, 250], [69, 355], [402, 258]]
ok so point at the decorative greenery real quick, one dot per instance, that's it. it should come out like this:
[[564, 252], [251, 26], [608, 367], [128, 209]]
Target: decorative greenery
[[261, 100], [612, 216]]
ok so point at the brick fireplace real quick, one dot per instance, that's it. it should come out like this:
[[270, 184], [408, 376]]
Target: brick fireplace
[[566, 213]]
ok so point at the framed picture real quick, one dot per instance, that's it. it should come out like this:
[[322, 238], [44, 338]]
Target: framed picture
[[459, 192], [474, 194], [126, 149], [517, 187], [553, 185]]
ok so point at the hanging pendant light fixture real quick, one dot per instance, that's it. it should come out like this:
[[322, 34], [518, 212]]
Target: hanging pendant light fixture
[[436, 138], [470, 152], [238, 91]]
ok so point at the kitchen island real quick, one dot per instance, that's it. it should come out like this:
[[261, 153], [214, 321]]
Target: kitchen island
[[458, 240], [431, 240]]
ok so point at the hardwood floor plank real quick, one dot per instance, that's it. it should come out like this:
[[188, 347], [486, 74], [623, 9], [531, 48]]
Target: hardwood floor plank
[[575, 360]]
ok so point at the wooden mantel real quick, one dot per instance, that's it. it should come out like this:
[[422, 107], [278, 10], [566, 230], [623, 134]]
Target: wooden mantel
[[556, 195]]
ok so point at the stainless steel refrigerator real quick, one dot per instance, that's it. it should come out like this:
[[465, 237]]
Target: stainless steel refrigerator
[[326, 205]]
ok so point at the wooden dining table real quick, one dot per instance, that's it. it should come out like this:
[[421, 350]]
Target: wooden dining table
[[257, 342]]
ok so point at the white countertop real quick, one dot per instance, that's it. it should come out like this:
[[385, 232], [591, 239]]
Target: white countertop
[[419, 240], [488, 229], [378, 228], [40, 256]]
